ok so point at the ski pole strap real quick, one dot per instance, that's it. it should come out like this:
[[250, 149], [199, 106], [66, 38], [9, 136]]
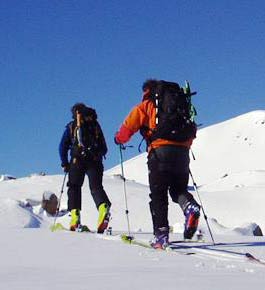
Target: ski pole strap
[[122, 147]]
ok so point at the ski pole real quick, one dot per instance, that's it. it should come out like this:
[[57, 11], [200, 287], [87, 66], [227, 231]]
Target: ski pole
[[204, 214], [59, 201], [122, 147], [193, 156]]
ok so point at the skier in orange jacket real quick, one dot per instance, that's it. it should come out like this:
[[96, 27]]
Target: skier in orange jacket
[[168, 166]]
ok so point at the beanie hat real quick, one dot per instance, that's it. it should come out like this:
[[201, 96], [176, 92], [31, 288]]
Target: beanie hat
[[77, 107]]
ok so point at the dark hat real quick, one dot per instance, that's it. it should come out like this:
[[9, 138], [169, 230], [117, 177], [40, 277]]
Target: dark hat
[[77, 107], [149, 84]]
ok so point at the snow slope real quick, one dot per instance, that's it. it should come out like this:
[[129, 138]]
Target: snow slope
[[229, 168], [33, 257], [231, 186], [231, 147]]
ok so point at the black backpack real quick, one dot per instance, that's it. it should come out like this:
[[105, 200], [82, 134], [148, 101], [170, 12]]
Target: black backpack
[[93, 143], [174, 112]]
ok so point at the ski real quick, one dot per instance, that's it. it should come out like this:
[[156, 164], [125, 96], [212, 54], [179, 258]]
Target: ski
[[254, 259], [79, 229], [183, 247], [188, 241], [132, 241], [208, 250]]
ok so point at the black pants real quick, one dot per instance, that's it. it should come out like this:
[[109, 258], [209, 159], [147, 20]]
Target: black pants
[[77, 172], [168, 173]]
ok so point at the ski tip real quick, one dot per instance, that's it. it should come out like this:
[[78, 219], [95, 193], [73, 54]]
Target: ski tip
[[57, 227], [250, 256], [255, 259]]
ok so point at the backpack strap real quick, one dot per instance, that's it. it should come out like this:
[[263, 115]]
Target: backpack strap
[[75, 133]]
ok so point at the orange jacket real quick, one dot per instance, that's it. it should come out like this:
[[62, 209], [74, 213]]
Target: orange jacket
[[142, 115]]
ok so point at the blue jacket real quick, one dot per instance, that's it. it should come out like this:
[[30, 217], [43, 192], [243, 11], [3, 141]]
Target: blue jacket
[[65, 145]]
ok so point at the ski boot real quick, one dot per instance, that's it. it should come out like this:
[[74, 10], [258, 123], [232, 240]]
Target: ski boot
[[103, 218], [160, 241], [75, 219], [192, 215]]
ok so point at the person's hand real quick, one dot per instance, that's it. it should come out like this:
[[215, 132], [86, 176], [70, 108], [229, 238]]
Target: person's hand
[[66, 167], [116, 141]]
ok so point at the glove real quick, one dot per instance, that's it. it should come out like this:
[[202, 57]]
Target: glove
[[123, 135], [116, 141], [66, 167]]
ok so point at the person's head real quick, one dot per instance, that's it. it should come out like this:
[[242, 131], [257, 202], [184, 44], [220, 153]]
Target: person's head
[[77, 108], [148, 87], [87, 113], [49, 202]]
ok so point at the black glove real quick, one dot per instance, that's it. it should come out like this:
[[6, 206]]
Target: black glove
[[116, 141], [66, 167]]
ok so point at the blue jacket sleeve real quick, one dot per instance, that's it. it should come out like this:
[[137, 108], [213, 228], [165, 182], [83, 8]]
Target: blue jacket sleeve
[[64, 146]]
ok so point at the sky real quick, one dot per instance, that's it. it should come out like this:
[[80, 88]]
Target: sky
[[57, 53]]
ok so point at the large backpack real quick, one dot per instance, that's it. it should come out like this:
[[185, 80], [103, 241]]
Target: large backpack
[[174, 112], [87, 140]]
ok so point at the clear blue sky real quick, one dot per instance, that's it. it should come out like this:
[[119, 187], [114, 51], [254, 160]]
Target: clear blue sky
[[57, 52]]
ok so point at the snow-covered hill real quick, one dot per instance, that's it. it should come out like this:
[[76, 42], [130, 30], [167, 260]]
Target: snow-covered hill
[[229, 170], [33, 257], [231, 147]]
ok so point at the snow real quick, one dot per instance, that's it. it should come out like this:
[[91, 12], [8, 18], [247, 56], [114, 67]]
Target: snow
[[234, 146], [4, 177], [230, 172]]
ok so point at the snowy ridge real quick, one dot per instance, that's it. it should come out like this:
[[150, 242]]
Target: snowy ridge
[[230, 147], [233, 146]]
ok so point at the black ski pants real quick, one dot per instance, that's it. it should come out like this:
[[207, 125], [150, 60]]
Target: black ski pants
[[168, 173], [94, 170]]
